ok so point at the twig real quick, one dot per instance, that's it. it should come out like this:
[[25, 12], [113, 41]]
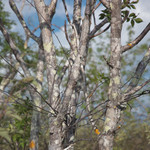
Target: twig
[[66, 11], [66, 34], [96, 6]]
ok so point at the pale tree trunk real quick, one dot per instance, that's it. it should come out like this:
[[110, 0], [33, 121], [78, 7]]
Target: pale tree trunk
[[35, 122], [45, 14], [114, 94]]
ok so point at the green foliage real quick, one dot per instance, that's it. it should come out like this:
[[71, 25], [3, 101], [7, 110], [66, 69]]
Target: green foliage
[[133, 135], [130, 17], [16, 119], [21, 84], [4, 16]]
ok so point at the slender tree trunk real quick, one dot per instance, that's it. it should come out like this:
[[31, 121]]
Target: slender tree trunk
[[35, 122], [114, 94]]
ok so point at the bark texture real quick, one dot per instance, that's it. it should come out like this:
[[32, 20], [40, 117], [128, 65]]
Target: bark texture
[[114, 94]]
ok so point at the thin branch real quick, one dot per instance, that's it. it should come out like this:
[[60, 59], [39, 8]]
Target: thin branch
[[136, 89], [14, 48], [14, 97], [57, 27], [66, 11], [94, 19], [100, 32], [137, 95], [27, 30], [139, 71], [22, 6], [137, 40], [96, 7], [55, 112], [97, 27], [66, 34], [73, 25], [9, 77]]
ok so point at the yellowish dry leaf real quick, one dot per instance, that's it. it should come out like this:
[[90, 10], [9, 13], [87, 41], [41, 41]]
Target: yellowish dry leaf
[[130, 44], [97, 131], [32, 144]]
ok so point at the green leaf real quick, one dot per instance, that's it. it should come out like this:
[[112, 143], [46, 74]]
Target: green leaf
[[133, 6], [132, 15], [132, 23], [125, 12], [11, 114], [5, 134], [129, 6], [102, 16], [138, 20], [105, 11], [135, 2], [128, 19]]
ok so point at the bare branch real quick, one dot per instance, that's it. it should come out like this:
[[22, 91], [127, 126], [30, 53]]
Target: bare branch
[[100, 32], [66, 34], [66, 11], [27, 30], [96, 6], [137, 40], [9, 76], [97, 27], [136, 89], [22, 6], [139, 71], [145, 92], [14, 48], [94, 19]]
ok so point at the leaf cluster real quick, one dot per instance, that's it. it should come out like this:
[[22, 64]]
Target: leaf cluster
[[129, 17]]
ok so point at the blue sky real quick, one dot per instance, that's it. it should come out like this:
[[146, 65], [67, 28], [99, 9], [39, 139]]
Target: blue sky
[[29, 13]]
